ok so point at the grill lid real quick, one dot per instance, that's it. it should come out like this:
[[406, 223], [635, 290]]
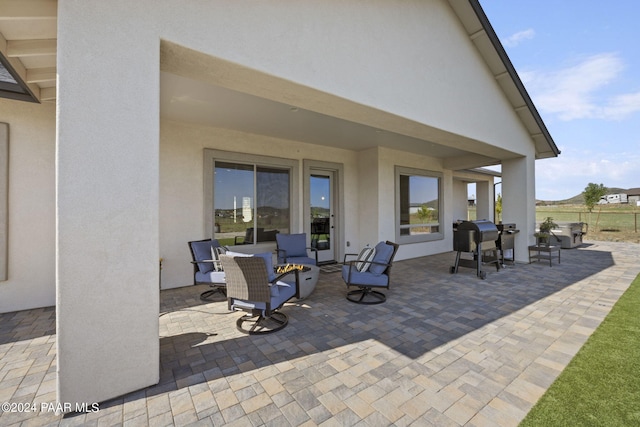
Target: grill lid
[[485, 230]]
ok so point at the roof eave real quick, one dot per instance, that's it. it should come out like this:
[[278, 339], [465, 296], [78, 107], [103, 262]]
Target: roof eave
[[524, 107]]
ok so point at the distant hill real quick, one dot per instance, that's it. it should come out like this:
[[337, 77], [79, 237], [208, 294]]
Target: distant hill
[[576, 200]]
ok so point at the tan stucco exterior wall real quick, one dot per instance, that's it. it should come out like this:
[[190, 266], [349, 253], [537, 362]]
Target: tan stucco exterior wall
[[369, 189], [428, 82], [31, 206], [181, 186]]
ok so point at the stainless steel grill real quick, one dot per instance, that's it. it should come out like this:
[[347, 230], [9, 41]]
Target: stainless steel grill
[[506, 241], [476, 237]]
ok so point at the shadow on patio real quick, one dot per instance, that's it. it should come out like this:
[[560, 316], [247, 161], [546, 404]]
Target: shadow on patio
[[427, 307], [446, 349]]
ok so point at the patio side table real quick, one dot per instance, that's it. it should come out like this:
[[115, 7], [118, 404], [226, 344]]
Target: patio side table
[[543, 252]]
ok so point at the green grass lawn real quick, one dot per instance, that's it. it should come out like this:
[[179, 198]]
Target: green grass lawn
[[601, 385], [616, 223]]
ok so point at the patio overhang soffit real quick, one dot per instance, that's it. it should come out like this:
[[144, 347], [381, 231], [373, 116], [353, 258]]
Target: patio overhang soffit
[[28, 48]]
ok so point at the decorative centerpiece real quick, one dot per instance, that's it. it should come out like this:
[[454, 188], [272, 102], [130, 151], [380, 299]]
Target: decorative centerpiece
[[286, 268]]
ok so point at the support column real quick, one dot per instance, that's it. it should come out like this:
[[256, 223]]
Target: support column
[[519, 201], [368, 197], [484, 200], [107, 298]]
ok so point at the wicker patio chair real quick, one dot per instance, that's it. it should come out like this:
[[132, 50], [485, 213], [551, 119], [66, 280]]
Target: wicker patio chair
[[253, 287]]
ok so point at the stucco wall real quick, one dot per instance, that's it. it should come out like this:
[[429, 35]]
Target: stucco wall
[[428, 73], [428, 78], [181, 186], [460, 197], [369, 189], [389, 160], [31, 231]]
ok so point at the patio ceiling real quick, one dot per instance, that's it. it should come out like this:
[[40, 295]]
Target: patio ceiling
[[28, 43], [194, 101], [205, 90]]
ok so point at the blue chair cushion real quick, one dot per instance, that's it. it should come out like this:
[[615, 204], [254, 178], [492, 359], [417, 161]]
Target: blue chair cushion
[[295, 245], [279, 296], [363, 278], [202, 251], [383, 256], [301, 260], [210, 277], [268, 260]]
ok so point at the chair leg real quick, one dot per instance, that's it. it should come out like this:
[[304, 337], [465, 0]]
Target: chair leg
[[366, 296], [207, 296], [261, 324]]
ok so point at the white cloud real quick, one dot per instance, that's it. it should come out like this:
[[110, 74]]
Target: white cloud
[[622, 106], [515, 39], [574, 92], [567, 175]]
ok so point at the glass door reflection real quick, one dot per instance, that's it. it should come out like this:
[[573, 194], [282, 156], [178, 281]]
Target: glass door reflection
[[321, 216]]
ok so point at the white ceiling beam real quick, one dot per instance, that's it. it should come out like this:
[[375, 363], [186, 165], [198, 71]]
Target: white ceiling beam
[[31, 9], [39, 75], [48, 94], [18, 67], [17, 48]]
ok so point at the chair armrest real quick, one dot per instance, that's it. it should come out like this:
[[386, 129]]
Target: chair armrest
[[346, 255], [380, 263], [352, 266], [281, 276], [281, 253], [315, 251], [213, 261]]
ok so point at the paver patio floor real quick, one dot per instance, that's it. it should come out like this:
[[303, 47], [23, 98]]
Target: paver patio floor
[[444, 350]]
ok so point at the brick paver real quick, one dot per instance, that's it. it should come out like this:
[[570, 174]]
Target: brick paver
[[444, 350]]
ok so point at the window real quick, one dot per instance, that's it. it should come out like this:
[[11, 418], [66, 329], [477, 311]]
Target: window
[[418, 216], [250, 197]]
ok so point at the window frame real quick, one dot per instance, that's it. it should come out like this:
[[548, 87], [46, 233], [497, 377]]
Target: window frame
[[12, 86], [418, 238], [212, 156]]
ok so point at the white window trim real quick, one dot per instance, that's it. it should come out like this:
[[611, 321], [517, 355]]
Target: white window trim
[[211, 156], [403, 239]]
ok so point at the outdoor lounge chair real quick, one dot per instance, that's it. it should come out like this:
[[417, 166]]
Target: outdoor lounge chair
[[370, 270], [253, 287], [292, 249], [207, 268]]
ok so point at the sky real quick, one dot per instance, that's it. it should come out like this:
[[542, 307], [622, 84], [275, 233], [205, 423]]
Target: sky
[[580, 63]]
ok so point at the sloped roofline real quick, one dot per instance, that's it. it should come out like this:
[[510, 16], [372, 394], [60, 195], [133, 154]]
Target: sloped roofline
[[500, 65]]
